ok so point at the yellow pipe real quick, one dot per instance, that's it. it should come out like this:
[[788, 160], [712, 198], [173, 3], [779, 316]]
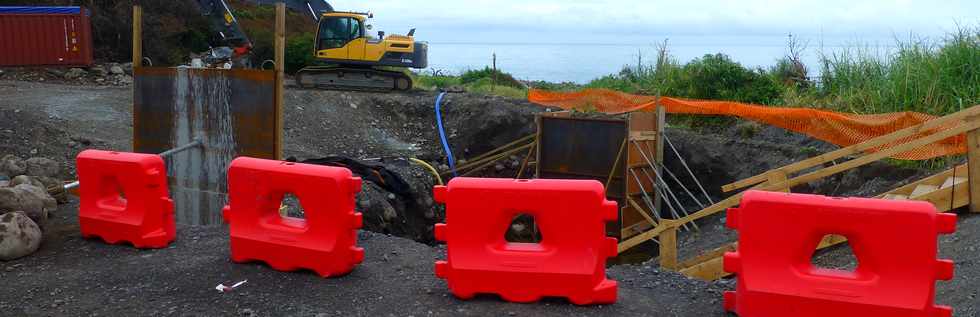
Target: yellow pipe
[[428, 167]]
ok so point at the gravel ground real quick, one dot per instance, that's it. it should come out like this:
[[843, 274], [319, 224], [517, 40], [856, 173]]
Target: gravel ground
[[76, 276]]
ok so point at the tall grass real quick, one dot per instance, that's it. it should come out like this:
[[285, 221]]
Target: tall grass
[[936, 78], [919, 75]]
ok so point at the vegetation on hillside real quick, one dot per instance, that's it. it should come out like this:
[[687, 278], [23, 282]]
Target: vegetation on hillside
[[931, 77], [485, 81]]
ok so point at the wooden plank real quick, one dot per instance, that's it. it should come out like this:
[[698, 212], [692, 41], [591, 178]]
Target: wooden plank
[[537, 145], [707, 256], [867, 159], [858, 148], [668, 249], [895, 197], [934, 179], [973, 156], [634, 229], [641, 211], [922, 189], [659, 151], [280, 59], [776, 177], [709, 270], [953, 181], [640, 238]]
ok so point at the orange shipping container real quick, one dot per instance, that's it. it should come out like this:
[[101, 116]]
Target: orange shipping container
[[45, 36]]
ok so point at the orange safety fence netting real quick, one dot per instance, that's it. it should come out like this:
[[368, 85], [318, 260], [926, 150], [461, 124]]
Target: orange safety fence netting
[[841, 129]]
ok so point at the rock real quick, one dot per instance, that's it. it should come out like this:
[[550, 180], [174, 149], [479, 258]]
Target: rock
[[12, 166], [498, 167], [115, 69], [24, 179], [1, 73], [75, 73], [125, 79], [39, 166], [98, 71], [31, 200], [82, 140], [43, 182], [19, 236], [55, 72], [128, 68]]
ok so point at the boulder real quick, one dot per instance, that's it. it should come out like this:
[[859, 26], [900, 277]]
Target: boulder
[[12, 166], [19, 236], [115, 69], [41, 182], [39, 166], [31, 200], [75, 73]]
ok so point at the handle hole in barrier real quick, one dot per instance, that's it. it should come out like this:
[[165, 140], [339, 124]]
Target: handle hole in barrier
[[523, 229], [291, 208], [839, 258], [112, 196]]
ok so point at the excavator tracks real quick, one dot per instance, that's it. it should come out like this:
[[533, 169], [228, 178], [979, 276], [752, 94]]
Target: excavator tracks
[[352, 78]]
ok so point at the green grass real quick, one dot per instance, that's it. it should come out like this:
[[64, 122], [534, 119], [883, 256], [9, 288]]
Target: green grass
[[475, 81]]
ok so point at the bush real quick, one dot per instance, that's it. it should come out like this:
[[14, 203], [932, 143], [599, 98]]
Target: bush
[[503, 79], [300, 52]]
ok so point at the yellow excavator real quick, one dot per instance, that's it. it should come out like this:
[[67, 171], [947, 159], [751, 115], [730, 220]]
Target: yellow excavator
[[354, 59]]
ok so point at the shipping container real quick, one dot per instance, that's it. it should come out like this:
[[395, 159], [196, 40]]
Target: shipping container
[[45, 36]]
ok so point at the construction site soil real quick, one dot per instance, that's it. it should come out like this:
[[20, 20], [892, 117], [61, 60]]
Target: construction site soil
[[75, 276]]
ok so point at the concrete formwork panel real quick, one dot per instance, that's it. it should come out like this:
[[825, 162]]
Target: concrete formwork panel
[[232, 112]]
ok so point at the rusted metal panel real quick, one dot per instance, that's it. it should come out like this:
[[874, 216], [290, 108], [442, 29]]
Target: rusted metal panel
[[577, 148], [45, 36], [231, 111]]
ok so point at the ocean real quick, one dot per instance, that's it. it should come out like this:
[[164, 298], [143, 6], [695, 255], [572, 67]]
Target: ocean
[[583, 62]]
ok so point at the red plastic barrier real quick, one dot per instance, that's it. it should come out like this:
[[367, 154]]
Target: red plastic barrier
[[142, 215], [324, 242], [568, 262], [895, 243]]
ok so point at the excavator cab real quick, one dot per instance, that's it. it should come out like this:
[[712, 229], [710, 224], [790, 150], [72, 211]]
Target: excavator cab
[[342, 42], [342, 38]]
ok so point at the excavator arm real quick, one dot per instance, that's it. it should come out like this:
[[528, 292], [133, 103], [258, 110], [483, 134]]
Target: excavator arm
[[225, 25]]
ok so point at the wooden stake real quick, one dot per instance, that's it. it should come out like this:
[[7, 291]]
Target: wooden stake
[[668, 246], [280, 73], [137, 36], [137, 62]]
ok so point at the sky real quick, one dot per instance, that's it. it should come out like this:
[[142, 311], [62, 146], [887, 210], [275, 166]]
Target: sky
[[595, 21]]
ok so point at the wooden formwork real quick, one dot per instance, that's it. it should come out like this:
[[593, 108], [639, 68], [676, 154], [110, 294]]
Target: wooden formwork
[[620, 153], [947, 190]]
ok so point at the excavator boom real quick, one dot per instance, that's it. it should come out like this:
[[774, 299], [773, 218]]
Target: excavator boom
[[357, 59]]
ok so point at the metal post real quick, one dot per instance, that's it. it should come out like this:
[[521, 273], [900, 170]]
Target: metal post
[[165, 154]]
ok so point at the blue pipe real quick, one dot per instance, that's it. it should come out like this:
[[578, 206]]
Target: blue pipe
[[442, 134]]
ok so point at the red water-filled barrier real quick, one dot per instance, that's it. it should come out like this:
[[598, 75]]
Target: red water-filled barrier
[[568, 262], [895, 243], [124, 198], [324, 242]]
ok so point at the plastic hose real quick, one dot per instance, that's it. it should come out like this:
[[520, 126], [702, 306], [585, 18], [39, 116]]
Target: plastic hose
[[428, 167], [442, 134]]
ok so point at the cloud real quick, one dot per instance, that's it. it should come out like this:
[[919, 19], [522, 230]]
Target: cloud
[[565, 20]]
